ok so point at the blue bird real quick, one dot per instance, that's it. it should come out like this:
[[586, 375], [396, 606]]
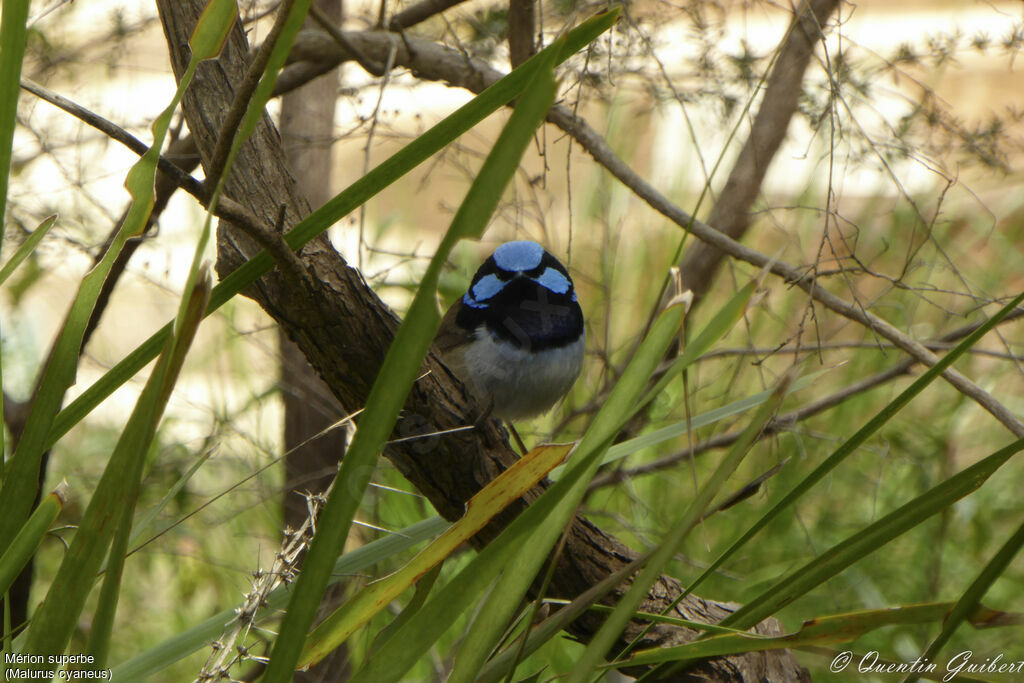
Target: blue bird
[[516, 337]]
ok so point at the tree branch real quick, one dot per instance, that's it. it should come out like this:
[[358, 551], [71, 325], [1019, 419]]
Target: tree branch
[[522, 22]]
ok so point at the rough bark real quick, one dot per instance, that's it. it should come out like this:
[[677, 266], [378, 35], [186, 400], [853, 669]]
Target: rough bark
[[344, 330]]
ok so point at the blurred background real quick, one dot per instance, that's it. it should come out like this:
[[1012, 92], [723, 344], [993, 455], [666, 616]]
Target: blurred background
[[898, 182]]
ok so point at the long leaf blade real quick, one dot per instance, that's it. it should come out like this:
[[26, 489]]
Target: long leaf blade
[[971, 598], [20, 551], [614, 625], [13, 38], [176, 648], [835, 628], [629, 395], [870, 539], [26, 248], [111, 505]]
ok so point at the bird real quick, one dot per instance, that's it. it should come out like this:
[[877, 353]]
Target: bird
[[516, 337]]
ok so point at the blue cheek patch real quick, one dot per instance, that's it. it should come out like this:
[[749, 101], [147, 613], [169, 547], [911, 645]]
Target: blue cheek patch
[[518, 256], [471, 302], [486, 287], [554, 281]]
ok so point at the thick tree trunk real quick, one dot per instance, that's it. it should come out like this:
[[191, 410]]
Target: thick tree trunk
[[344, 330]]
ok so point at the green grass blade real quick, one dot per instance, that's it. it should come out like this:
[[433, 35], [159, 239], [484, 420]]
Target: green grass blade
[[20, 551], [835, 628], [971, 599], [344, 203], [146, 521], [400, 369], [616, 623], [526, 542], [26, 248], [113, 501], [498, 667], [20, 478], [211, 31], [193, 306], [489, 501], [424, 586], [106, 609], [855, 441], [870, 539], [661, 618], [157, 659], [13, 37], [719, 325], [863, 543]]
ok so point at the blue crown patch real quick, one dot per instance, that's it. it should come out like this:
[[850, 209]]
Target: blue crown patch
[[518, 256]]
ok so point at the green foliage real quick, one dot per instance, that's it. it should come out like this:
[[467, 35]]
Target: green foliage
[[883, 523], [26, 543], [25, 250], [492, 499], [13, 36]]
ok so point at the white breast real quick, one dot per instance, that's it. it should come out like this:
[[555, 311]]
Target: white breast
[[519, 383]]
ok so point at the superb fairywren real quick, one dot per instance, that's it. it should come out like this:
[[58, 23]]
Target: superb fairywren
[[516, 337]]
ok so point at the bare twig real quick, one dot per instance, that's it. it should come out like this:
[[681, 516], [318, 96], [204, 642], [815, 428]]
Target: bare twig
[[327, 24], [226, 208], [374, 119], [420, 12], [779, 424], [115, 132], [764, 352], [229, 649]]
